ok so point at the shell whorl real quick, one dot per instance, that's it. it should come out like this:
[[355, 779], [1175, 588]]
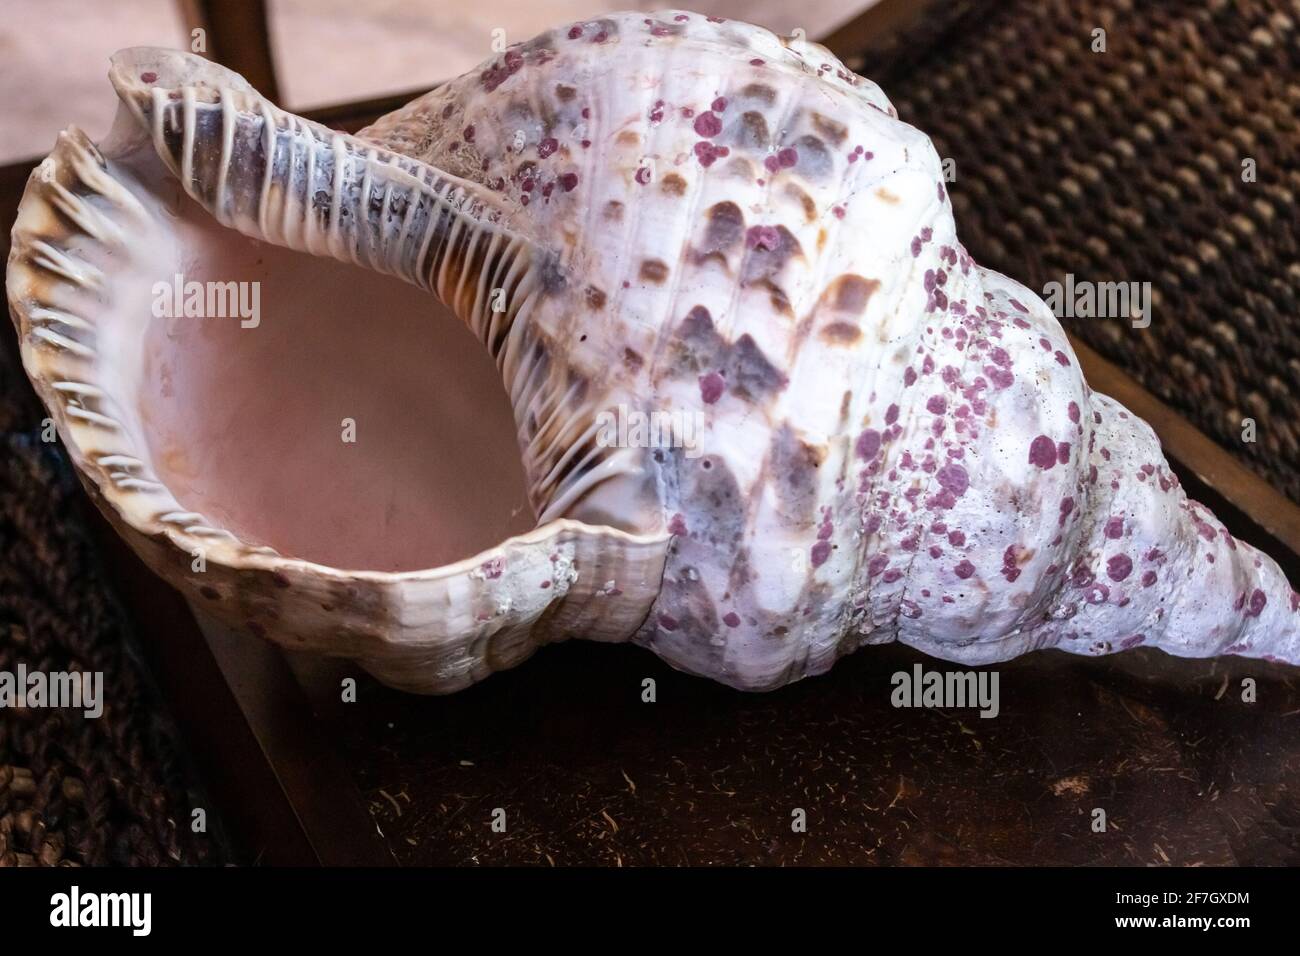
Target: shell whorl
[[897, 444]]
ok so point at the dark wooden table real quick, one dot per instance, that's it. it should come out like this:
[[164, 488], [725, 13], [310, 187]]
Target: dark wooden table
[[1184, 769]]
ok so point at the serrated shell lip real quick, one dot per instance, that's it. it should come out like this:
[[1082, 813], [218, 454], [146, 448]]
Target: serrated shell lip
[[64, 371]]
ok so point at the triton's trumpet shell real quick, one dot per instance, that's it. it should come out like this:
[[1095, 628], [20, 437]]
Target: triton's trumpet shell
[[641, 214]]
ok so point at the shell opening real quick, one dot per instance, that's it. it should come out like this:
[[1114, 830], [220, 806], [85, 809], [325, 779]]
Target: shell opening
[[338, 415], [296, 403]]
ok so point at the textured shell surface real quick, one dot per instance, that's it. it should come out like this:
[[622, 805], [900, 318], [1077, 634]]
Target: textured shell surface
[[675, 215]]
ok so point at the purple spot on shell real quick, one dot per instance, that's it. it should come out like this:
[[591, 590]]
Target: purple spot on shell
[[877, 564], [964, 570], [1148, 579], [957, 538], [712, 385], [1067, 506], [909, 376], [1257, 601], [1062, 452], [575, 32], [547, 146], [1115, 528], [1133, 641], [820, 552], [952, 477], [720, 104], [643, 175], [1073, 409], [678, 524], [569, 182], [1119, 567], [149, 77], [868, 444], [891, 414], [1061, 358], [708, 125], [1000, 378], [668, 622], [1042, 452], [708, 154], [892, 575], [1096, 593], [731, 619]]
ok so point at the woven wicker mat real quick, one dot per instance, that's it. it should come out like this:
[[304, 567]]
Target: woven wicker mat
[[1127, 166], [110, 790]]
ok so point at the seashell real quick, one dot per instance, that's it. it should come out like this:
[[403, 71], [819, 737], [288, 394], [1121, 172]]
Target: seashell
[[636, 216]]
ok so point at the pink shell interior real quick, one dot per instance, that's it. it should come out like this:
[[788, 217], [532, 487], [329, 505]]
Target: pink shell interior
[[245, 425]]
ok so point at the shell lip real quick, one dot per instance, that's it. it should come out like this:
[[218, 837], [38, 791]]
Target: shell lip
[[60, 355]]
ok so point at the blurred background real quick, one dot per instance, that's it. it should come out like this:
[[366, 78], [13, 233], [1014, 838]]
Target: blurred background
[[54, 53]]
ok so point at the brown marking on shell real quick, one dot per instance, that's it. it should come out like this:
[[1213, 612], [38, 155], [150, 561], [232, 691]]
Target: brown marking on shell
[[565, 93], [759, 91], [697, 346], [751, 375], [614, 210], [723, 233], [752, 132], [741, 573], [765, 263], [804, 200], [738, 167], [815, 161], [673, 184], [832, 130], [654, 270], [850, 293], [596, 298], [724, 511], [793, 464], [840, 333], [628, 138], [884, 195]]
